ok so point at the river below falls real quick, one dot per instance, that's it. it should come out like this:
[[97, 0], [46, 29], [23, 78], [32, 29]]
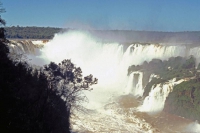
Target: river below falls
[[122, 116]]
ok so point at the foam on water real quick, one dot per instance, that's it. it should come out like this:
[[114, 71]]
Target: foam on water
[[111, 119], [193, 127]]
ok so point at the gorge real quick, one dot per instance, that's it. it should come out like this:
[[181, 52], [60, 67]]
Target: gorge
[[135, 83]]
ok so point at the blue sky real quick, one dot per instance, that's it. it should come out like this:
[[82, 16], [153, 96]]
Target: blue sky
[[159, 15]]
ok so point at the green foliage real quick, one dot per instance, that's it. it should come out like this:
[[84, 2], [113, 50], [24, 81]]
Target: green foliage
[[185, 100], [174, 67], [189, 63]]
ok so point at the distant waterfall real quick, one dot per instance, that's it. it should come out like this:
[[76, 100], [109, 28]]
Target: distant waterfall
[[24, 46], [196, 53], [138, 53]]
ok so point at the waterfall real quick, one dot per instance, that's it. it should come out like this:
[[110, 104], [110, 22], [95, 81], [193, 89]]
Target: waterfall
[[138, 53], [106, 61], [154, 103], [196, 53], [134, 85], [24, 46], [109, 62]]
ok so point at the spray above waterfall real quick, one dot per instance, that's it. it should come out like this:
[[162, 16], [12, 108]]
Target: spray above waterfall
[[106, 61]]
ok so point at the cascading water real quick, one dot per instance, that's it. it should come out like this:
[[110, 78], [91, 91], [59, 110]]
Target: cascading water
[[25, 46], [154, 103], [196, 53], [109, 63], [20, 49], [134, 85]]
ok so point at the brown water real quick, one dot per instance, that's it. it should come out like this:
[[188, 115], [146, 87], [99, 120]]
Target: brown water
[[122, 117]]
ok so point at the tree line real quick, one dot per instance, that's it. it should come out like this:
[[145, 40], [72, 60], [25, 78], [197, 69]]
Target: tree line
[[30, 32]]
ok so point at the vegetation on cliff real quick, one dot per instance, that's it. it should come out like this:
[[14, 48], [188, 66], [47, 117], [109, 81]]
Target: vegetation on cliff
[[174, 67], [184, 100]]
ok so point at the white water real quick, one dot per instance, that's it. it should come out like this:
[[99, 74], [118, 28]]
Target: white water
[[193, 127], [134, 85], [154, 103], [25, 46], [196, 52], [111, 121], [109, 63]]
